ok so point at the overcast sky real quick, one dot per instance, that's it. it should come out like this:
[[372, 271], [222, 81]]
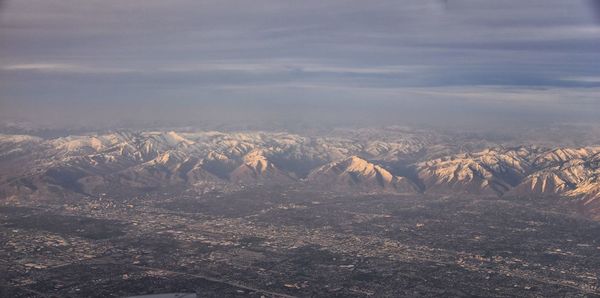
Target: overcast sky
[[72, 62]]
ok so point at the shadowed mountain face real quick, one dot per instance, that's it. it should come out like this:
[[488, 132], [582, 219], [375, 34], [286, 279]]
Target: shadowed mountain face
[[347, 161]]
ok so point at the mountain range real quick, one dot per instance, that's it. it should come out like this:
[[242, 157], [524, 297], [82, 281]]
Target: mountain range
[[397, 161]]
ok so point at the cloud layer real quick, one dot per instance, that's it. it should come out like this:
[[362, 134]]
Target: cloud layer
[[429, 56]]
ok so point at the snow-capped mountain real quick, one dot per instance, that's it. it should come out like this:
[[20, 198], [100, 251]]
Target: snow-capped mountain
[[358, 174], [359, 161], [492, 171], [256, 168]]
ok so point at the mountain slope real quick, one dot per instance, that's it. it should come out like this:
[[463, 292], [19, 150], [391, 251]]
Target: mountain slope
[[355, 173], [490, 172], [257, 168]]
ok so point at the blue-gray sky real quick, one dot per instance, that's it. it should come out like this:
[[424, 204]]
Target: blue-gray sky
[[68, 62]]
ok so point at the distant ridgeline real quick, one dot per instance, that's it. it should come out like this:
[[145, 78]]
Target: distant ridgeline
[[359, 161]]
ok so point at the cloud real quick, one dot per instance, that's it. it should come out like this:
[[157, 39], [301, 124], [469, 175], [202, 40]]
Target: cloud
[[290, 66], [253, 68], [583, 79], [63, 68], [184, 51], [41, 67]]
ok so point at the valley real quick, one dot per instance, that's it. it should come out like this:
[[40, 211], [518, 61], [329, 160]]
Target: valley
[[289, 242]]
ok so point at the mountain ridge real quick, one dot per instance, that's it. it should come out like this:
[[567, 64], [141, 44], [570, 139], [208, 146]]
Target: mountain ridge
[[87, 164]]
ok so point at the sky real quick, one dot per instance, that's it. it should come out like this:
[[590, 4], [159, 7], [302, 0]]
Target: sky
[[453, 62]]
